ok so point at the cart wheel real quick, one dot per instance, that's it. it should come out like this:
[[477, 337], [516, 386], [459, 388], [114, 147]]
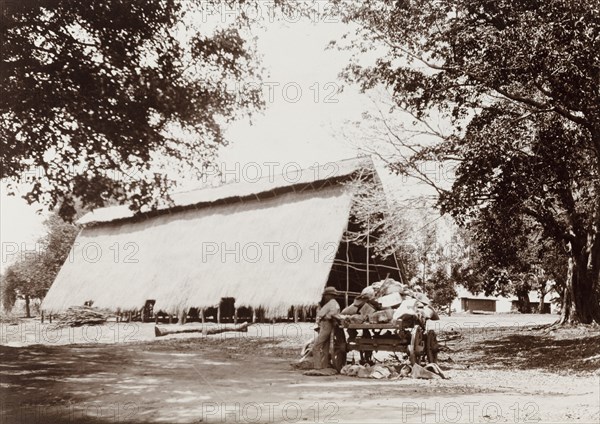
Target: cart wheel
[[431, 346], [339, 348], [415, 347]]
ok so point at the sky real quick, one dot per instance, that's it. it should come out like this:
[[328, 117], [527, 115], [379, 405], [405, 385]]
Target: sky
[[302, 124], [304, 111]]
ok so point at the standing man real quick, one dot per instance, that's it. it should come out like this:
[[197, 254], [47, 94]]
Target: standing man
[[329, 308]]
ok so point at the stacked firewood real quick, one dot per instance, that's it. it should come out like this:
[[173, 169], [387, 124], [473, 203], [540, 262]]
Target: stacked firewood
[[77, 316]]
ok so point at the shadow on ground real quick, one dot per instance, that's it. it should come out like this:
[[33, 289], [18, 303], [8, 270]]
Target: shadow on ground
[[122, 383], [176, 380], [564, 351]]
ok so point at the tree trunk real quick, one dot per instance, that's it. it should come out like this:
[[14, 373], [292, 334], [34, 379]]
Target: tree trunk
[[542, 296], [27, 308], [206, 331], [523, 301], [580, 300]]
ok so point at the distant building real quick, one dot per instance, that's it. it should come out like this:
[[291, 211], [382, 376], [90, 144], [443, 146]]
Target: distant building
[[469, 302]]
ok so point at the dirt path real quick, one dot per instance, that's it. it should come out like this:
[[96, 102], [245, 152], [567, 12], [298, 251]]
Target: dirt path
[[249, 379]]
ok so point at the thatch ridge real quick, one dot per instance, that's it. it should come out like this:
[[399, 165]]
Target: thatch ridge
[[267, 187]]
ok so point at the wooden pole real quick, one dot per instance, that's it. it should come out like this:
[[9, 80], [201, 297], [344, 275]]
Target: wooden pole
[[347, 270], [50, 318], [235, 315], [159, 332], [254, 316], [219, 314], [368, 245], [202, 318], [295, 309], [400, 273]]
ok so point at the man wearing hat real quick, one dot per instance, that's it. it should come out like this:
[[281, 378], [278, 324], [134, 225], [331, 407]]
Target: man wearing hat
[[329, 308]]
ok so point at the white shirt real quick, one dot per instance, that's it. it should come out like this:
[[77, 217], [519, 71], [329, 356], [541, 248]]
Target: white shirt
[[328, 310]]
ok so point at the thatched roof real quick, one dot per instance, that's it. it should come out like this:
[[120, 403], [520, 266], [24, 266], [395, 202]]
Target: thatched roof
[[272, 251], [293, 180]]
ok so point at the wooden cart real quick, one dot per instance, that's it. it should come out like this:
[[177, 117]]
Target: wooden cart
[[408, 336]]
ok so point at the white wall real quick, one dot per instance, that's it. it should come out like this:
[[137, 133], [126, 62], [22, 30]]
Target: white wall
[[503, 304]]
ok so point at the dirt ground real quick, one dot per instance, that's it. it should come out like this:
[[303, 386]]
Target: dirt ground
[[502, 369]]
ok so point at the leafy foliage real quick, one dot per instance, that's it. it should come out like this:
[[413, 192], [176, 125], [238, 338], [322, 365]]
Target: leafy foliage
[[440, 288], [34, 272], [517, 85], [381, 221], [98, 96]]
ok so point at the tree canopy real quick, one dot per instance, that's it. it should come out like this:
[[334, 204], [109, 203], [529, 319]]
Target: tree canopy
[[518, 85], [32, 274], [96, 95]]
